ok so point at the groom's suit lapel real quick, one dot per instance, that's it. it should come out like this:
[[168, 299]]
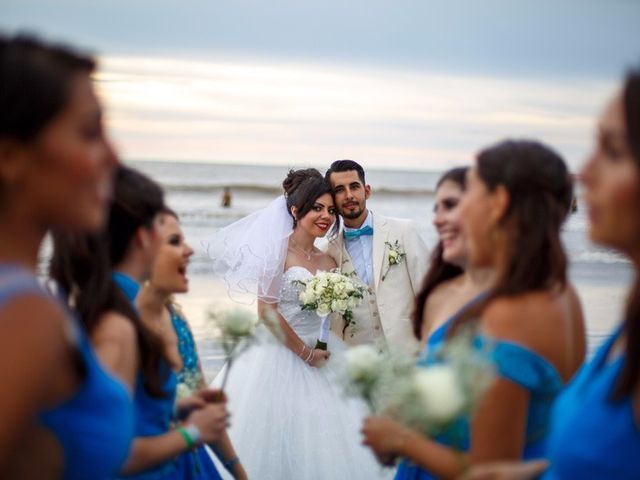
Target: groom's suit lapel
[[346, 265], [380, 236]]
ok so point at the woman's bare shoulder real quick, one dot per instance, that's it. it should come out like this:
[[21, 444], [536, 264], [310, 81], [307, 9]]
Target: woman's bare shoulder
[[115, 327], [529, 317]]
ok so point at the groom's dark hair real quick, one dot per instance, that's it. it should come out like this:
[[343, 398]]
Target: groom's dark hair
[[345, 166]]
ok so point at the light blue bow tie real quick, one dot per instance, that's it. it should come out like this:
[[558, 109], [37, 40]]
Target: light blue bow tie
[[350, 235]]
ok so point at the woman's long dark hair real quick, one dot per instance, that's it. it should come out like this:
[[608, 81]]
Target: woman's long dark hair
[[630, 376], [82, 266], [540, 193], [439, 270], [36, 81]]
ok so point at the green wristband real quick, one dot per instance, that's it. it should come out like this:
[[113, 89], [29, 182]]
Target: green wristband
[[187, 437]]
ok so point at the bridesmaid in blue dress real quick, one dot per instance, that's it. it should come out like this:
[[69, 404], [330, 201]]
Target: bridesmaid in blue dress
[[450, 284], [596, 421], [160, 314], [104, 273], [517, 196], [595, 430], [62, 414]]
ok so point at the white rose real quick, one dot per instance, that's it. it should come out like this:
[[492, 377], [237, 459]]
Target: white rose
[[323, 309], [239, 323], [308, 298], [439, 392], [342, 306], [362, 363], [393, 257]]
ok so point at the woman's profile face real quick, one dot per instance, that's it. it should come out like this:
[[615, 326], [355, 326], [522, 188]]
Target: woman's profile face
[[446, 220], [68, 169], [612, 184], [169, 272], [475, 209]]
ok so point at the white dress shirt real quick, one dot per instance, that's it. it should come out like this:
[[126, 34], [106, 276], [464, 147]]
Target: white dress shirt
[[361, 251]]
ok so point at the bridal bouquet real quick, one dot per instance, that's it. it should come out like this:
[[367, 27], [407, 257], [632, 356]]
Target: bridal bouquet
[[330, 292], [427, 398]]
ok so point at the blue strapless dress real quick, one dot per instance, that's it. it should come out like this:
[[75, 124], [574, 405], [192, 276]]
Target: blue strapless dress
[[591, 435], [513, 362], [95, 426]]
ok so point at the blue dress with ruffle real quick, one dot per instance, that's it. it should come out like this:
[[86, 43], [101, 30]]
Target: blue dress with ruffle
[[513, 362]]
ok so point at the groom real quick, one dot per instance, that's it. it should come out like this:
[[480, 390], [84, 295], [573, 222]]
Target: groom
[[387, 254]]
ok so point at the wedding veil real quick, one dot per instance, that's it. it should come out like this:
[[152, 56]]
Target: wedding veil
[[249, 254]]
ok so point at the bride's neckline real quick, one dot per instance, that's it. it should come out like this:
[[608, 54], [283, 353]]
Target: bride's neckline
[[300, 266]]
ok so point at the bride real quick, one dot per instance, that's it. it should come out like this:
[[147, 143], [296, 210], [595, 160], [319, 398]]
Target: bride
[[290, 419]]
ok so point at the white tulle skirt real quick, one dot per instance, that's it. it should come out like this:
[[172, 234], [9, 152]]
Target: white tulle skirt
[[292, 421]]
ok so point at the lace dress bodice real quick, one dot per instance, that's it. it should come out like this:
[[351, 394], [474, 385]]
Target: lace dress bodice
[[305, 323]]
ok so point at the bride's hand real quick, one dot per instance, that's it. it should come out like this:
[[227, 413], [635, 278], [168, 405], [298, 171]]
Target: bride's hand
[[319, 357]]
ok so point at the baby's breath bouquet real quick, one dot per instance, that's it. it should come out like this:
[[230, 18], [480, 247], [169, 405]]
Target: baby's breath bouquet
[[188, 383], [425, 397], [330, 292], [237, 329]]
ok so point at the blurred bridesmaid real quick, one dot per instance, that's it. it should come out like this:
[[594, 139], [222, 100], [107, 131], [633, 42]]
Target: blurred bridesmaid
[[62, 414], [104, 274], [595, 430], [596, 421], [163, 316], [517, 197], [450, 285]]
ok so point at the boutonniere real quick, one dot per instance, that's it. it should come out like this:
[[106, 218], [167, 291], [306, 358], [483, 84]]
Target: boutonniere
[[395, 256]]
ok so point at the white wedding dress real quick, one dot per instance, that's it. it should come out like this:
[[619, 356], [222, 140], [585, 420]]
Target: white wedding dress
[[290, 420]]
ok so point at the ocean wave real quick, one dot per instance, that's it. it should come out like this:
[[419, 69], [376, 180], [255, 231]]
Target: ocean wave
[[595, 256], [276, 189]]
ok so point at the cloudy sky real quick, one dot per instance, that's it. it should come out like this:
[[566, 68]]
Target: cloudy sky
[[394, 83]]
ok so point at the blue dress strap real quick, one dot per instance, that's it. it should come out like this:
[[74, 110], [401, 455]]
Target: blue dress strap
[[440, 333]]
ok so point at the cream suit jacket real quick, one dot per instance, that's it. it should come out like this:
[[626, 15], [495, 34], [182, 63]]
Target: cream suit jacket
[[384, 316]]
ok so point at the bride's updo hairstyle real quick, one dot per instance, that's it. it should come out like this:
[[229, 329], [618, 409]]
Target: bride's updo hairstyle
[[540, 192], [301, 189]]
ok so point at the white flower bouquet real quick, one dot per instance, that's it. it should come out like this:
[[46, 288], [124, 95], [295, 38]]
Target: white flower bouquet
[[427, 398], [330, 292]]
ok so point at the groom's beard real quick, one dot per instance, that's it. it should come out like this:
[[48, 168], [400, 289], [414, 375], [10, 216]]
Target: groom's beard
[[352, 214]]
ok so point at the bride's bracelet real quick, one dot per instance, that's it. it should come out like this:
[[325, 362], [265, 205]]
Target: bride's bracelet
[[310, 356], [302, 350]]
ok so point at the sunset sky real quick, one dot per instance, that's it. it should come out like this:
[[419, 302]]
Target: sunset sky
[[396, 84]]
